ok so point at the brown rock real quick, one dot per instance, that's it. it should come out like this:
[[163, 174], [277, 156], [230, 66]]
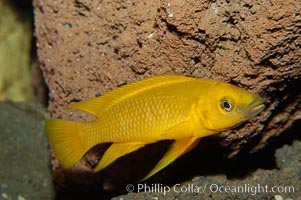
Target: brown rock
[[87, 48]]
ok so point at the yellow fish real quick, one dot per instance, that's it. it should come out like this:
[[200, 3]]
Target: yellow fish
[[178, 108]]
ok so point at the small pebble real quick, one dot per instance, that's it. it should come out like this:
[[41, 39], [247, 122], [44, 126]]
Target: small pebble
[[278, 197], [20, 197]]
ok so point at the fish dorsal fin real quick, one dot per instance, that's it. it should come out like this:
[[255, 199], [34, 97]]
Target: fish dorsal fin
[[100, 104]]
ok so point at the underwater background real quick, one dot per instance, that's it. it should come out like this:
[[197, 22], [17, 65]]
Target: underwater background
[[57, 52]]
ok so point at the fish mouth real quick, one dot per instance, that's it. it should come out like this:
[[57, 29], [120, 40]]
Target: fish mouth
[[255, 107]]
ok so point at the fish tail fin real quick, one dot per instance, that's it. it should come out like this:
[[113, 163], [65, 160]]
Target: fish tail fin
[[66, 142]]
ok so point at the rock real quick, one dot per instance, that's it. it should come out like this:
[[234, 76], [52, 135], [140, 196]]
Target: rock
[[86, 49], [25, 163]]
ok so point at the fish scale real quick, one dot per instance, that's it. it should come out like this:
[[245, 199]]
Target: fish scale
[[137, 119]]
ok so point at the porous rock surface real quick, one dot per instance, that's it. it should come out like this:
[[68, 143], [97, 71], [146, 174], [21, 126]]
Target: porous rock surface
[[87, 48]]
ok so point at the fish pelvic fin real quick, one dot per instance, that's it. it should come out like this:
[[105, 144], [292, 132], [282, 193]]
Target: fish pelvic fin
[[66, 143], [116, 151], [177, 148]]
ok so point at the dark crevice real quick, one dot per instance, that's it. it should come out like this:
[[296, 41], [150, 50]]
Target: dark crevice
[[116, 51], [272, 53], [266, 61], [82, 6], [139, 44], [196, 60], [173, 29], [231, 20]]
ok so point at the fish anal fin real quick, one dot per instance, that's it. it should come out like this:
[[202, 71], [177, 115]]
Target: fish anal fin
[[177, 148], [115, 151], [179, 131]]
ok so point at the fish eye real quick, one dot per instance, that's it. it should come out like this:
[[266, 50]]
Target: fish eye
[[226, 105]]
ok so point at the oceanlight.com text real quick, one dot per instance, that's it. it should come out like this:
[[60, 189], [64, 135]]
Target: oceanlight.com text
[[211, 188]]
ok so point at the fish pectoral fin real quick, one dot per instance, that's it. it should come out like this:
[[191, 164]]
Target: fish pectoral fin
[[177, 148], [115, 151], [181, 130]]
